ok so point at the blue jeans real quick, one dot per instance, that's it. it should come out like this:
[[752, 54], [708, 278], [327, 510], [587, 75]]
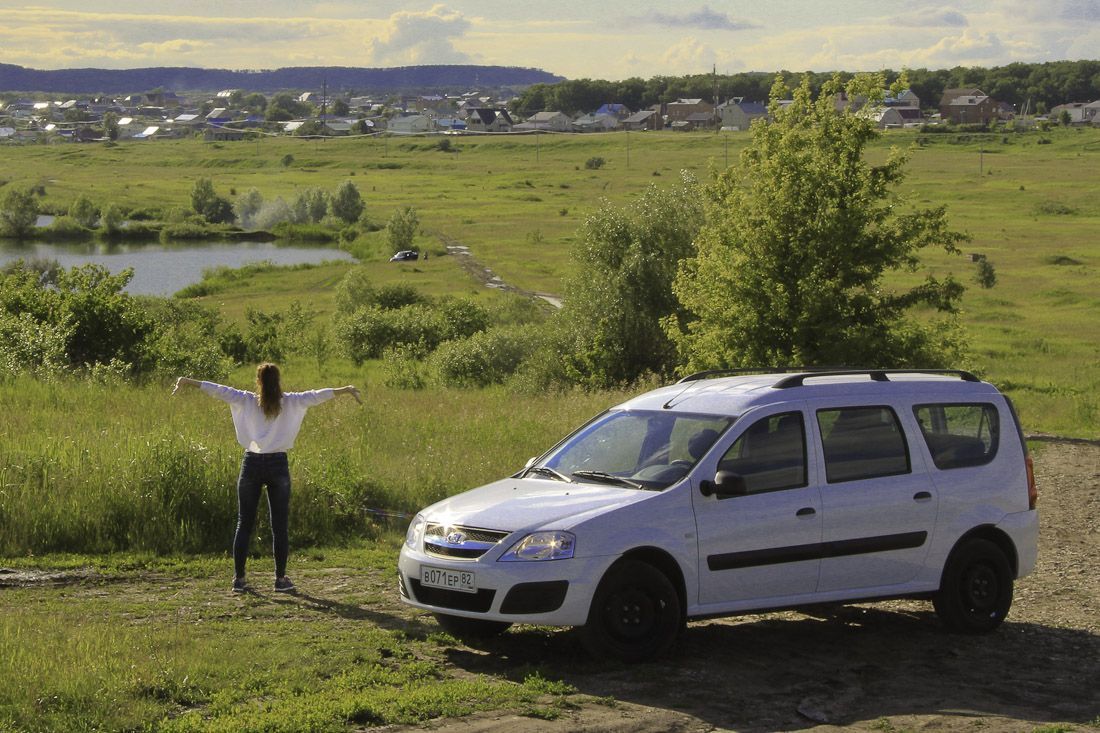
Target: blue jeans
[[259, 470]]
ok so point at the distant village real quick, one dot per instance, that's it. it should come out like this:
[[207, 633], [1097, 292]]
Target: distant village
[[236, 114]]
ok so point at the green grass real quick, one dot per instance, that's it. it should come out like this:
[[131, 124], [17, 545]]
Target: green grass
[[93, 468], [162, 645]]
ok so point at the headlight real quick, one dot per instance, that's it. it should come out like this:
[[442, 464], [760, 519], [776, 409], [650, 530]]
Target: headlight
[[415, 532], [542, 546]]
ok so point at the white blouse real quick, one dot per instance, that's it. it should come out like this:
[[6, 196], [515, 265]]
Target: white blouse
[[255, 432]]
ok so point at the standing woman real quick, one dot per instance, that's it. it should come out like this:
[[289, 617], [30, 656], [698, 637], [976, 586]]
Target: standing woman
[[267, 422]]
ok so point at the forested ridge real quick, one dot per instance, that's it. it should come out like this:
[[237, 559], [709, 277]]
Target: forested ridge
[[338, 78]]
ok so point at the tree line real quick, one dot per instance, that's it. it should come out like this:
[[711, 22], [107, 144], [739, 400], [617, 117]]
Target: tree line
[[1045, 85]]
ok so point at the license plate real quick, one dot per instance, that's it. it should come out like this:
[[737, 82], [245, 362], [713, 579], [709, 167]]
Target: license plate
[[460, 580]]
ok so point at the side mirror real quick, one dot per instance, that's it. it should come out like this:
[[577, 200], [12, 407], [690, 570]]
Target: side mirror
[[724, 485], [530, 462]]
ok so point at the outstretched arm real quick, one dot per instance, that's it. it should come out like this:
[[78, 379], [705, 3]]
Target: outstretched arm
[[185, 382], [350, 390]]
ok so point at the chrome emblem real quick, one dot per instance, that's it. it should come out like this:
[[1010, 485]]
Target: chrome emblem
[[456, 537]]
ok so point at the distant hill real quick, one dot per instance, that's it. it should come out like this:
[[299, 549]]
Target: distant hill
[[339, 78]]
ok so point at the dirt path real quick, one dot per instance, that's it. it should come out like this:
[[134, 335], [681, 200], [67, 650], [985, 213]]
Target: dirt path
[[876, 667], [484, 275]]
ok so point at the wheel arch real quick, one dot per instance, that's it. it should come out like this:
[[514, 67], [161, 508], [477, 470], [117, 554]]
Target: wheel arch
[[997, 537], [667, 564]]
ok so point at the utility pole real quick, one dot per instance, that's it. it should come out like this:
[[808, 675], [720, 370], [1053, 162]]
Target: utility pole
[[324, 105]]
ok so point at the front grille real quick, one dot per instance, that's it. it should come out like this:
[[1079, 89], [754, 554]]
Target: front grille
[[480, 601], [460, 543]]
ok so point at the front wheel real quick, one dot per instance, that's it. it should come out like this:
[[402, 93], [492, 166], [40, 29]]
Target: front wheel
[[976, 591], [635, 614], [461, 627]]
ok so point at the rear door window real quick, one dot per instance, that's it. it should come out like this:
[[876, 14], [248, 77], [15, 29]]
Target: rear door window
[[959, 435], [861, 443]]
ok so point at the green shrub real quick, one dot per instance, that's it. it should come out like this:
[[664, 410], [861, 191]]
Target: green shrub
[[368, 332], [84, 212], [594, 163], [487, 357], [397, 295], [68, 229]]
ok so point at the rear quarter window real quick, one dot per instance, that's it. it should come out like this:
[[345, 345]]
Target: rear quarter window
[[959, 435]]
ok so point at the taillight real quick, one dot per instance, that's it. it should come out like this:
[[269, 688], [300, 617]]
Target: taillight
[[1032, 492]]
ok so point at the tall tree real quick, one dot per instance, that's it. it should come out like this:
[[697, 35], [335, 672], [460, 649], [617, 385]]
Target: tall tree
[[800, 238], [621, 289]]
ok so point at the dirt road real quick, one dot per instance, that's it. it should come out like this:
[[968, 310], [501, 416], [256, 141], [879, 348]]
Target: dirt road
[[876, 667]]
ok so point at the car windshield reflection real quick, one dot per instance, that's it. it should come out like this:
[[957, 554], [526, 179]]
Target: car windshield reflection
[[636, 448]]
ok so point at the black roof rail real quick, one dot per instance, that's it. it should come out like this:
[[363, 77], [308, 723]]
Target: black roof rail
[[877, 375], [750, 370]]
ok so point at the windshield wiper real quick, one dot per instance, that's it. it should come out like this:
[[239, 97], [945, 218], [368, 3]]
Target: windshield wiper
[[547, 471], [609, 478]]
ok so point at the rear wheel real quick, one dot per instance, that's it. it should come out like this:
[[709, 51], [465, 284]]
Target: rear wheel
[[471, 628], [976, 591], [635, 614]]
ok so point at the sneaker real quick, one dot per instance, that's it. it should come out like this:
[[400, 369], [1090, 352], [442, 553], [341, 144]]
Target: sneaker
[[239, 585], [284, 584]]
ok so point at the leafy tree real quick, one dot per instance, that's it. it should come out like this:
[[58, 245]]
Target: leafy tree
[[624, 265], [18, 212], [340, 107], [284, 106], [310, 207], [1065, 118], [110, 125], [248, 206], [111, 219], [84, 211], [206, 203], [347, 204], [401, 228], [254, 102], [800, 236]]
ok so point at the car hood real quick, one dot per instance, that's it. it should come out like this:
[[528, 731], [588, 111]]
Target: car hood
[[513, 504]]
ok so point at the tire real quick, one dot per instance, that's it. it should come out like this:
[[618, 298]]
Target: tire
[[461, 627], [976, 591], [635, 614]]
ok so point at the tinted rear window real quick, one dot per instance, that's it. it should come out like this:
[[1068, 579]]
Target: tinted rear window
[[959, 435]]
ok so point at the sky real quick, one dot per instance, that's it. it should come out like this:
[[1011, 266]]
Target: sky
[[604, 39]]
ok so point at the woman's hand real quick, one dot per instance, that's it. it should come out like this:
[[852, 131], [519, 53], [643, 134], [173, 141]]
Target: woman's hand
[[351, 390], [184, 382]]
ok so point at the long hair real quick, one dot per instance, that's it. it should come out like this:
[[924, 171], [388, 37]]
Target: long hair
[[271, 393]]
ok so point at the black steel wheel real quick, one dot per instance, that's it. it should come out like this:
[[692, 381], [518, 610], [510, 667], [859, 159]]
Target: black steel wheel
[[976, 591], [461, 627], [635, 614]]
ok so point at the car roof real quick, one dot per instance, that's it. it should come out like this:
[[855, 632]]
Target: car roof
[[735, 395]]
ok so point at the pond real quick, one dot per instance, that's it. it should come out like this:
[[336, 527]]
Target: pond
[[163, 269]]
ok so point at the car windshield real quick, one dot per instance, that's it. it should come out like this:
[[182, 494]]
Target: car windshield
[[635, 448]]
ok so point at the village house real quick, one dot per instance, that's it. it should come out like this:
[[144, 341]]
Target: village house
[[970, 106], [618, 111], [486, 119], [647, 119], [548, 121], [410, 124], [681, 109], [1078, 112], [596, 123], [737, 114]]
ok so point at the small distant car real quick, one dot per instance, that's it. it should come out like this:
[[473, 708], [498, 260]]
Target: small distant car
[[735, 493], [405, 255]]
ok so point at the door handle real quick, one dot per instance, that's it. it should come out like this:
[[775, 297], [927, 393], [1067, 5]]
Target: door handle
[[922, 496], [806, 511]]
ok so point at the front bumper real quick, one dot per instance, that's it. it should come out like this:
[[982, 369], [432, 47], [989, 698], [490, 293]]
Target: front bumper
[[548, 592]]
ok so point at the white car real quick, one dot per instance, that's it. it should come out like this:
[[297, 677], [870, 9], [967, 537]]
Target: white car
[[727, 494]]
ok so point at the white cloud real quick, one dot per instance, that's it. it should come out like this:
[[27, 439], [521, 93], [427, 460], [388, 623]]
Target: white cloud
[[703, 19], [933, 18], [421, 38]]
